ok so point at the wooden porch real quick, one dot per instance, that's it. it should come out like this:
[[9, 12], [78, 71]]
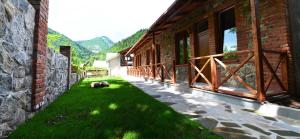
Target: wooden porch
[[270, 76], [216, 81]]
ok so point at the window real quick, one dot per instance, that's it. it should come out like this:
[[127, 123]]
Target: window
[[157, 47], [182, 48], [126, 60], [138, 60], [148, 56], [228, 35]]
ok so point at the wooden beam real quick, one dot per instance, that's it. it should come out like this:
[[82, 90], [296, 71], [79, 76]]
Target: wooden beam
[[174, 71], [261, 94], [153, 56], [214, 74]]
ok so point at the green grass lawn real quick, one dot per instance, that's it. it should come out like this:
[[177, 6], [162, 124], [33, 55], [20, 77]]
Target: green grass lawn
[[119, 111]]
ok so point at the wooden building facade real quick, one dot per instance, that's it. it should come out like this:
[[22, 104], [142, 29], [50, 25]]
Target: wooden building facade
[[236, 47]]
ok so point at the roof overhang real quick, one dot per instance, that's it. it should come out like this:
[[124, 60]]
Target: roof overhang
[[174, 13]]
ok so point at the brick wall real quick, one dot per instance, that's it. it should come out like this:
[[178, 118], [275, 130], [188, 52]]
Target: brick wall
[[39, 52], [66, 51]]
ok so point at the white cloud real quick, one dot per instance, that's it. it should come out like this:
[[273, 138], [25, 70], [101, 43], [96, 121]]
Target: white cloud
[[117, 19]]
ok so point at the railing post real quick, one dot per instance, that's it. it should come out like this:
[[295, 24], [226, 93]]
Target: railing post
[[162, 72], [147, 71], [174, 71], [165, 70], [214, 75], [260, 82], [189, 73]]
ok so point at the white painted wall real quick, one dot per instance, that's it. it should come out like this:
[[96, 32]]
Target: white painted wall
[[115, 68]]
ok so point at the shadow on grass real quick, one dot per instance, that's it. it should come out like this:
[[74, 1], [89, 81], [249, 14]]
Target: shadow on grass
[[118, 111]]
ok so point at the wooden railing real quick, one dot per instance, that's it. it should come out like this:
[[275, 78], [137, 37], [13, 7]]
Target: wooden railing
[[158, 71], [214, 81], [282, 64]]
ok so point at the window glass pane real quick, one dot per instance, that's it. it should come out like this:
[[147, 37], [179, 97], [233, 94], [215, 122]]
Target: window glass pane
[[188, 48], [230, 40], [181, 52]]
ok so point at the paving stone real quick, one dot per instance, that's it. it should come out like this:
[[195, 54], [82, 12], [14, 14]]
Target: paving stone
[[230, 130], [227, 107], [279, 137], [286, 133], [257, 129], [193, 116], [234, 136], [230, 111], [200, 112], [228, 124], [265, 137], [156, 96], [209, 123], [169, 103], [249, 110], [270, 118]]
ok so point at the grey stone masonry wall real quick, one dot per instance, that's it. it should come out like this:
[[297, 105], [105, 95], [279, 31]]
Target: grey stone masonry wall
[[56, 75], [16, 47], [73, 79]]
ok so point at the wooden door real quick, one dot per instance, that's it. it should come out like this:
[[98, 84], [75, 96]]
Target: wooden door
[[202, 49]]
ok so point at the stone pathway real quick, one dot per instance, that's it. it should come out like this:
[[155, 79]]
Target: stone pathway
[[227, 120]]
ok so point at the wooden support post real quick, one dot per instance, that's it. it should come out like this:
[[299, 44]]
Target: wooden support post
[[190, 73], [214, 76], [162, 72], [260, 83], [153, 59], [174, 71], [284, 71], [193, 43]]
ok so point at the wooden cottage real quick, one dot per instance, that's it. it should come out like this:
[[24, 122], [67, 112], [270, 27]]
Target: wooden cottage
[[236, 47]]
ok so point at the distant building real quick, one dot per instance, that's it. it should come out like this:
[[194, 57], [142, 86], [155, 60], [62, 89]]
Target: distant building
[[118, 63], [100, 64]]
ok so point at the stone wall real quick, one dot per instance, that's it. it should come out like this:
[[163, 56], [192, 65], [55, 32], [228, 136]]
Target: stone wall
[[56, 75], [31, 77], [16, 47], [73, 79]]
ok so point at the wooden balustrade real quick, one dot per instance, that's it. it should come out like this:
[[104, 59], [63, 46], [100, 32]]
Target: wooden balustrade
[[282, 64], [213, 80], [158, 71], [215, 83]]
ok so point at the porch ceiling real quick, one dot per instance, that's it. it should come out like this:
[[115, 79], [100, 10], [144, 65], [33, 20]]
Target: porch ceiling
[[174, 13]]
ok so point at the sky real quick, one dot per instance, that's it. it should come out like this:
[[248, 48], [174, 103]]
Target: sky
[[116, 19]]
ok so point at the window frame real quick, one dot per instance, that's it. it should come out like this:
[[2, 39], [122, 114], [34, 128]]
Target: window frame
[[185, 37], [148, 57], [221, 36]]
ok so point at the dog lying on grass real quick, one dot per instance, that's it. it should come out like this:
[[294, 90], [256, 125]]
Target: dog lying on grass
[[99, 84]]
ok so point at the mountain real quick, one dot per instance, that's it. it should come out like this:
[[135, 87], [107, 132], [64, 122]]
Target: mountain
[[79, 53], [96, 45], [128, 42]]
